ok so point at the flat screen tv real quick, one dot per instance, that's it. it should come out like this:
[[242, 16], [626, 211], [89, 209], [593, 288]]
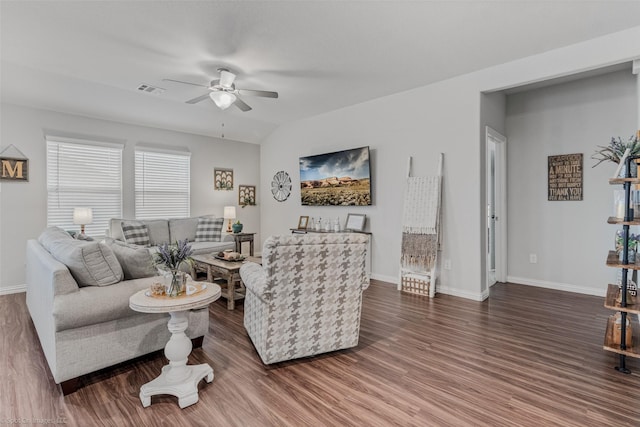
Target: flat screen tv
[[342, 178]]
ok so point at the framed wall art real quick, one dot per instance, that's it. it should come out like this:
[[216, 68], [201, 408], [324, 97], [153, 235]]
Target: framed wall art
[[565, 177], [246, 195], [223, 179], [14, 167]]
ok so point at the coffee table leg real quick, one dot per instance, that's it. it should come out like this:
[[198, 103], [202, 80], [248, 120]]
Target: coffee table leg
[[231, 294], [177, 378]]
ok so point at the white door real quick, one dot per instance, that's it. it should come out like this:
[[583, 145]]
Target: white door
[[496, 186]]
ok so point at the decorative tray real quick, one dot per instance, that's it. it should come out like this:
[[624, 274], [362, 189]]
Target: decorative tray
[[221, 258], [192, 289]]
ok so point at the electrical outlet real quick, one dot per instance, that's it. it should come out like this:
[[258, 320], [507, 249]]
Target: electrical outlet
[[533, 258], [447, 264]]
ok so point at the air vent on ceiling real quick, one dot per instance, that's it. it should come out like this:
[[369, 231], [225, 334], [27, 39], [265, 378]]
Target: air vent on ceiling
[[150, 89]]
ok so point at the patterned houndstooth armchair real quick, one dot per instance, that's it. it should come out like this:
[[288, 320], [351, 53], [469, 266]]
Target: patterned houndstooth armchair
[[306, 297]]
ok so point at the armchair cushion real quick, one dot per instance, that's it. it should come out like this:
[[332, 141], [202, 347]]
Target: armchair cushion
[[255, 280]]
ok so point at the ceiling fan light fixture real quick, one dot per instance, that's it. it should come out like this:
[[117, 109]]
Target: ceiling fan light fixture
[[226, 78], [223, 99]]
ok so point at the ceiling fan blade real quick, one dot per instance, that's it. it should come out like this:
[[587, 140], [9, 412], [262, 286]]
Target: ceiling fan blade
[[263, 93], [186, 83], [241, 104], [198, 99]]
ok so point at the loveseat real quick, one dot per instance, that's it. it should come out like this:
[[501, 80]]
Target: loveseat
[[306, 297], [78, 297]]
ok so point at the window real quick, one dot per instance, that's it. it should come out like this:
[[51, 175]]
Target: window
[[83, 174], [163, 183]]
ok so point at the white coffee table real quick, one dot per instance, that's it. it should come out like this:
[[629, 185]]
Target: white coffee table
[[177, 378]]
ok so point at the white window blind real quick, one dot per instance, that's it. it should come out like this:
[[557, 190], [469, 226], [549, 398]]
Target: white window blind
[[83, 174], [162, 184]]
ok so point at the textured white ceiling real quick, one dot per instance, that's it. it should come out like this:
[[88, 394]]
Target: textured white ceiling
[[89, 57]]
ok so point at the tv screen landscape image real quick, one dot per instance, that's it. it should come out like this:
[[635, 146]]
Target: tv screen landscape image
[[342, 178]]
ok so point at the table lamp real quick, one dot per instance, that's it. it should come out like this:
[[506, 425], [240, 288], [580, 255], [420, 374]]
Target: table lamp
[[82, 217], [230, 214]]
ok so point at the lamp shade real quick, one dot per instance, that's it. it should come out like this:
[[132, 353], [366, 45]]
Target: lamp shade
[[229, 212], [223, 99], [82, 216]]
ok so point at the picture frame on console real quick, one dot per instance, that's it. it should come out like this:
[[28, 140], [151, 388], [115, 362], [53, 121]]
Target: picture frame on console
[[303, 222], [355, 222]]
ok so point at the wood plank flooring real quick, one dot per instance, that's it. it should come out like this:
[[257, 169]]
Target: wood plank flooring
[[525, 357]]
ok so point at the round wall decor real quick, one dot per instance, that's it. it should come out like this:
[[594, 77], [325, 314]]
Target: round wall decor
[[281, 186]]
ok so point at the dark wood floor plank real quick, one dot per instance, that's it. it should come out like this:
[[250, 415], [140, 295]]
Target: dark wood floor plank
[[526, 356]]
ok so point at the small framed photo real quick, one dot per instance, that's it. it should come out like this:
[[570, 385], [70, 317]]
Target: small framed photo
[[355, 222], [303, 222]]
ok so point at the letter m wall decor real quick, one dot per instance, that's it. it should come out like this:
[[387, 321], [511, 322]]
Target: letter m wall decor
[[14, 168]]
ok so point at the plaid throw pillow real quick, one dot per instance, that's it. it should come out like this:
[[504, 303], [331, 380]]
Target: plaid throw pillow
[[209, 229], [135, 233]]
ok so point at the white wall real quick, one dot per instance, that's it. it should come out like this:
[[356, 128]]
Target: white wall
[[570, 238], [24, 205], [442, 117]]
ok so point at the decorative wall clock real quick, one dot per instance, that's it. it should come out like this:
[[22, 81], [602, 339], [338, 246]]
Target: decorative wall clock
[[281, 186]]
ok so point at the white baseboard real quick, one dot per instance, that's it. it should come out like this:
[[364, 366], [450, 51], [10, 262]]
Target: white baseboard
[[394, 280], [475, 296], [6, 290], [390, 279], [558, 286]]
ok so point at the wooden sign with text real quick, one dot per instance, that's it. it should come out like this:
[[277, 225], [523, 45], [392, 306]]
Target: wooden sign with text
[[565, 177], [14, 169]]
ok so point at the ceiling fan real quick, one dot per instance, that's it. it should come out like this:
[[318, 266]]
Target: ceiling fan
[[223, 92]]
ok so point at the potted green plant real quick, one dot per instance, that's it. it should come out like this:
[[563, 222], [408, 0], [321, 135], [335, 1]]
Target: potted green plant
[[616, 149], [237, 227]]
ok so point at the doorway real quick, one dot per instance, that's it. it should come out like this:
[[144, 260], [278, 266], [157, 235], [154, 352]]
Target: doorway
[[496, 190]]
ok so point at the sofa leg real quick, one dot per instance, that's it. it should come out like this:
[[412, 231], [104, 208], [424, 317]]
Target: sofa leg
[[197, 342], [69, 386]]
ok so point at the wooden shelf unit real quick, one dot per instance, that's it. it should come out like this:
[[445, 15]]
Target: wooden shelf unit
[[633, 303], [616, 181], [613, 260], [631, 307], [620, 221], [609, 345]]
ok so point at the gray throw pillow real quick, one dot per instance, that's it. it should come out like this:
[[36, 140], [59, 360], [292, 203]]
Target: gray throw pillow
[[136, 262], [51, 235], [209, 229], [135, 233], [90, 263]]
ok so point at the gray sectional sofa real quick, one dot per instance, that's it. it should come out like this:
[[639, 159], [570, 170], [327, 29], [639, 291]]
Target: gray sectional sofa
[[78, 297]]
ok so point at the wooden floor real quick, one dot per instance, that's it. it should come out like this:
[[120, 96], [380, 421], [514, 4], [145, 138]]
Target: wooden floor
[[525, 357]]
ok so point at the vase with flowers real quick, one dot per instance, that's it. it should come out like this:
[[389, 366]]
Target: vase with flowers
[[615, 151], [170, 258]]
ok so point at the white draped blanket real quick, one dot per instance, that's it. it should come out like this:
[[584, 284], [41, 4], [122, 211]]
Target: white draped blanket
[[421, 205]]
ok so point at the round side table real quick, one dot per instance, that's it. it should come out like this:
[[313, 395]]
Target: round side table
[[177, 378]]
